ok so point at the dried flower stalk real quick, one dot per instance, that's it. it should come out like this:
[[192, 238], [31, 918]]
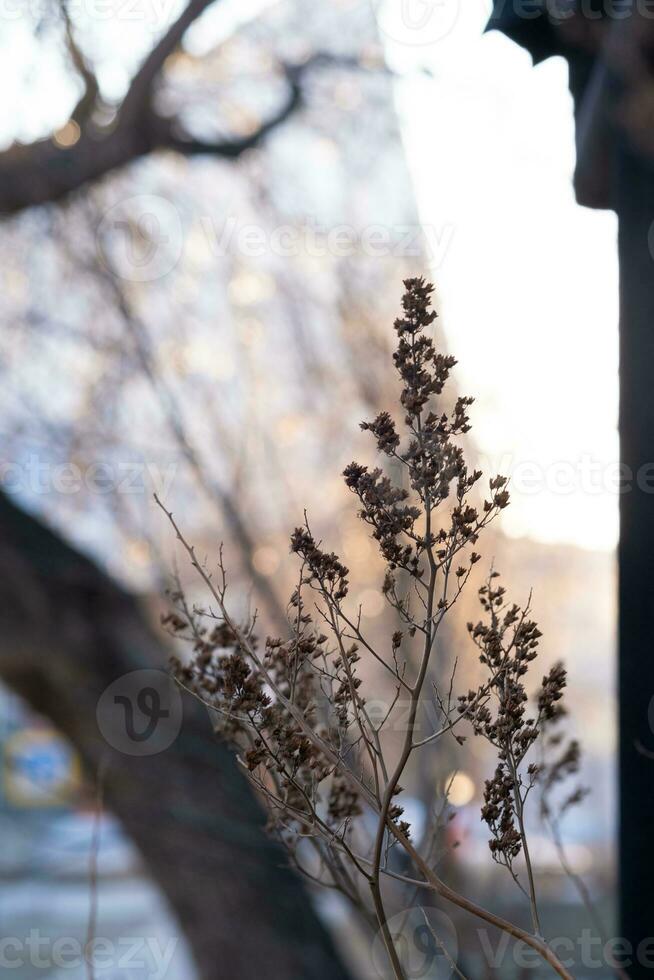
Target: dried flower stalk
[[296, 709]]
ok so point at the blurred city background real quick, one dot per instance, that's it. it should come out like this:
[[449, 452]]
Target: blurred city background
[[214, 325]]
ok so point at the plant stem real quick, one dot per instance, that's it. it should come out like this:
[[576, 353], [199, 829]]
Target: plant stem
[[435, 884], [519, 809], [375, 891]]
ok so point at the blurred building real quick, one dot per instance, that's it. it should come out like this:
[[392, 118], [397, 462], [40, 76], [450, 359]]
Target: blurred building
[[53, 837]]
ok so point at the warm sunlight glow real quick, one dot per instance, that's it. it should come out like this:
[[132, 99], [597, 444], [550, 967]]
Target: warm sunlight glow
[[372, 603], [462, 789], [68, 135], [527, 279], [266, 560]]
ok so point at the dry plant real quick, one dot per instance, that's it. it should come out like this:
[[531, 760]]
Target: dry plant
[[297, 711]]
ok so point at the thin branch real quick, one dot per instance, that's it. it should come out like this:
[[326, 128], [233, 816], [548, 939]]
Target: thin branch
[[139, 97], [291, 708]]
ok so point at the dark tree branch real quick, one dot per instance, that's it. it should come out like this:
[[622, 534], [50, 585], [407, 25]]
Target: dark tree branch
[[44, 172], [87, 102], [139, 97], [231, 149]]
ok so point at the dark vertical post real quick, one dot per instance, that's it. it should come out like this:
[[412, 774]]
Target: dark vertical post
[[635, 206]]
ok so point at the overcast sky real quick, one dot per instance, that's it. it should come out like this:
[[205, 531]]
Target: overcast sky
[[528, 279]]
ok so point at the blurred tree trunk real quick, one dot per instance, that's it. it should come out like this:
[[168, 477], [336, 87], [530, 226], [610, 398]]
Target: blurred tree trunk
[[68, 631], [635, 206]]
